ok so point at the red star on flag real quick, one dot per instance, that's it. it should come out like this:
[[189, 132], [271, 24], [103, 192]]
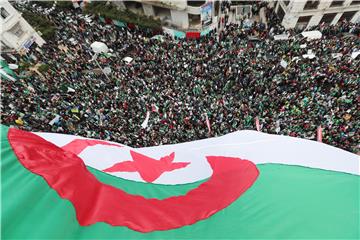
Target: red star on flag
[[149, 168]]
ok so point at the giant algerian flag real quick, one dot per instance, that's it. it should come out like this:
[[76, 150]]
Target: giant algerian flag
[[243, 185]]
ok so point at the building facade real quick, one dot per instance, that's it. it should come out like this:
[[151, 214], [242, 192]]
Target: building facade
[[178, 14], [304, 14], [15, 32]]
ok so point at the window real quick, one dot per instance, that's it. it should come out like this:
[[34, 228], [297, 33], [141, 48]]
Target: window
[[239, 2], [280, 13], [303, 21], [17, 30], [131, 4], [336, 3], [328, 18], [3, 46], [4, 13], [194, 20], [312, 4], [355, 2], [134, 7], [216, 7], [195, 3], [163, 13], [347, 16]]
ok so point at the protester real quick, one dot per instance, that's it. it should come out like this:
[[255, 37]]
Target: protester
[[226, 78]]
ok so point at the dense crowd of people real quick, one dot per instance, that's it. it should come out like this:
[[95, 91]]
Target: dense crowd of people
[[291, 86]]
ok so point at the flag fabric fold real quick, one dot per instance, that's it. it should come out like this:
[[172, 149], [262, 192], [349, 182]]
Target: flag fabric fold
[[243, 185]]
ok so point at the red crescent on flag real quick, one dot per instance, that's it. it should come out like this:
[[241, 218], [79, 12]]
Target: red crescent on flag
[[78, 145], [96, 202]]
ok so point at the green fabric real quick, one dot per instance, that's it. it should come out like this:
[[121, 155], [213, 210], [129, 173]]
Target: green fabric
[[6, 68], [7, 71], [102, 19], [285, 202], [119, 23], [179, 34]]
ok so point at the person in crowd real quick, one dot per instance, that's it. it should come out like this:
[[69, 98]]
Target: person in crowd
[[227, 76]]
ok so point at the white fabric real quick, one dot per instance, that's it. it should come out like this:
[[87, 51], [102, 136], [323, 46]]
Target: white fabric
[[13, 66], [283, 63], [70, 89], [146, 121], [336, 55], [2, 72], [99, 47], [55, 120], [158, 37], [107, 70], [128, 59], [255, 146], [310, 56], [355, 54], [281, 37], [311, 34]]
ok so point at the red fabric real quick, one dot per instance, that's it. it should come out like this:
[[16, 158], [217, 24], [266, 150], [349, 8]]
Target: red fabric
[[195, 35], [131, 25], [78, 145], [149, 169], [108, 21], [257, 123], [95, 201], [208, 124]]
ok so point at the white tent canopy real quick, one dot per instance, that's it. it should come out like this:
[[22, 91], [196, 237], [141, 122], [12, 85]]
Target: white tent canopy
[[99, 47], [312, 34]]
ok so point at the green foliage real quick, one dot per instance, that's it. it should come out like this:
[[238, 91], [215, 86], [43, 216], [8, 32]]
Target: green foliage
[[110, 11], [45, 4], [40, 23], [64, 4], [43, 68], [24, 66]]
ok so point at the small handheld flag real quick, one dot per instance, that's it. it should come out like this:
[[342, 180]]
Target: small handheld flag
[[319, 134], [208, 123], [146, 121], [257, 123]]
